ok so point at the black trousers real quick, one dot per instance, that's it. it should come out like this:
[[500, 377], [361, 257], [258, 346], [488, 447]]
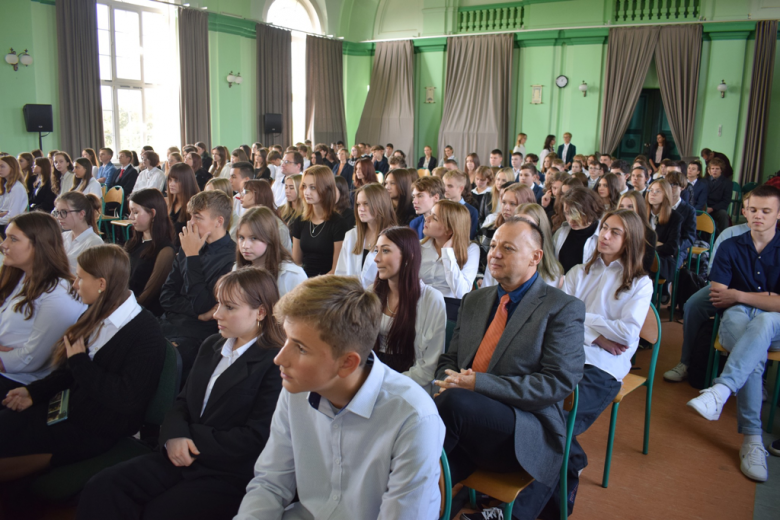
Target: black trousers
[[452, 307], [151, 487]]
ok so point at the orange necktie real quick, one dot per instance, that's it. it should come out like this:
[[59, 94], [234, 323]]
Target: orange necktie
[[493, 334]]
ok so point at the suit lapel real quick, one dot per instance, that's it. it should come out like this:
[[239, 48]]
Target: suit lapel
[[522, 313], [201, 379], [235, 374], [477, 326]]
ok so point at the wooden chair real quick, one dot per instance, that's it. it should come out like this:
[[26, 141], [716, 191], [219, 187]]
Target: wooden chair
[[651, 332], [506, 486], [422, 172], [714, 363], [126, 224], [115, 195], [704, 224]]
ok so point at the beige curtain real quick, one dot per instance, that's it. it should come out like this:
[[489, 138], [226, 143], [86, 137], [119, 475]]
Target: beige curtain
[[325, 120], [195, 98], [678, 60], [758, 106], [629, 52], [274, 82], [388, 115], [476, 95], [81, 110]]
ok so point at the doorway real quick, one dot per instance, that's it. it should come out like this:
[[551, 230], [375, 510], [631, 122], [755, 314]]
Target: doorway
[[648, 121]]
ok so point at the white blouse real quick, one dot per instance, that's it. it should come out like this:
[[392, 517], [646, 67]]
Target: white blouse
[[617, 319], [290, 275], [14, 201], [430, 336], [349, 264], [33, 340], [66, 183], [225, 173], [443, 273], [93, 186], [75, 246], [154, 178]]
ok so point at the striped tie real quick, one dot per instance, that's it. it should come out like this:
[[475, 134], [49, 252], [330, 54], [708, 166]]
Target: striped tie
[[493, 334]]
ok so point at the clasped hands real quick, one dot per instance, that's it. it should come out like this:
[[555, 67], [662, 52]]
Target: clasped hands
[[466, 379], [181, 450]]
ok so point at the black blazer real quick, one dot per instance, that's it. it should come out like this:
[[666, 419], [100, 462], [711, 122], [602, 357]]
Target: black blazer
[[236, 423], [127, 181], [669, 235], [665, 154], [382, 166], [43, 200], [431, 164], [688, 226], [346, 172], [719, 192]]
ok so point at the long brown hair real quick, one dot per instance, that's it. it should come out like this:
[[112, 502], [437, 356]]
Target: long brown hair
[[27, 174], [50, 262], [326, 189], [381, 207], [367, 170], [45, 166], [665, 212], [188, 187], [6, 183], [264, 195], [613, 187], [522, 193], [82, 184], [92, 156], [457, 220], [152, 201], [584, 205], [475, 159], [257, 288], [633, 248], [265, 227], [108, 261]]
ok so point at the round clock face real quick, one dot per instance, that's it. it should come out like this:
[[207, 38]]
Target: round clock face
[[561, 81]]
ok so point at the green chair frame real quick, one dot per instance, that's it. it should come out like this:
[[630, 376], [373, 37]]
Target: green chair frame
[[103, 218], [445, 469], [450, 329], [564, 481], [736, 200], [712, 372], [648, 383], [675, 282], [655, 277], [712, 241]]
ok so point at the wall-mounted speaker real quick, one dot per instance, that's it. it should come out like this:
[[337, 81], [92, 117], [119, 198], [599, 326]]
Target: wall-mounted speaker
[[272, 123], [38, 118]]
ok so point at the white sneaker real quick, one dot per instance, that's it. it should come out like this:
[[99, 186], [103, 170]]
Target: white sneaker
[[491, 513], [753, 463], [708, 404], [677, 374]]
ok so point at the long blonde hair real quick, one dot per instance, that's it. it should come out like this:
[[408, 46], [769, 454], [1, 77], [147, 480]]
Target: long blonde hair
[[550, 268], [457, 220], [633, 248], [665, 211], [264, 224], [381, 207], [289, 211]]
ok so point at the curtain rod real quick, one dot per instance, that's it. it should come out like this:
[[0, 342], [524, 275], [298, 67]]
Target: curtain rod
[[610, 26], [182, 6]]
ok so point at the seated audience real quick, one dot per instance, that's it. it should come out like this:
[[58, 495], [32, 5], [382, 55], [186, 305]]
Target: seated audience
[[151, 247], [294, 202], [206, 253], [708, 155], [364, 173], [426, 191], [412, 350], [344, 202], [496, 158], [503, 407], [526, 177], [221, 165], [151, 176], [337, 393], [202, 176], [399, 185], [552, 193], [221, 184], [698, 188], [41, 197], [449, 260], [667, 224], [719, 190], [343, 168], [258, 193], [595, 171], [127, 175], [678, 183], [470, 166], [482, 193], [182, 186], [63, 172], [379, 160], [609, 191], [261, 246], [37, 304], [218, 425], [457, 189], [77, 214], [427, 161], [238, 155], [373, 214], [318, 233], [633, 201], [107, 171], [449, 154], [575, 241], [26, 165], [83, 181], [240, 173], [449, 164], [292, 165], [260, 163], [13, 194], [109, 362], [639, 179], [745, 282]]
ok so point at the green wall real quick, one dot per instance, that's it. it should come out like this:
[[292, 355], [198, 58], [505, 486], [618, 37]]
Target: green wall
[[430, 68], [357, 76]]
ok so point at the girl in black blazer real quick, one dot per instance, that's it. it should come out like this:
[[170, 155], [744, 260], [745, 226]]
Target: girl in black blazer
[[109, 362], [667, 224], [219, 424]]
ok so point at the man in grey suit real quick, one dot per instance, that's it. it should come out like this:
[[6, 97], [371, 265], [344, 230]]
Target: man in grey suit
[[508, 414]]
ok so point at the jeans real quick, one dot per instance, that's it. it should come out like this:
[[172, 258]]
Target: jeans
[[698, 309], [747, 333]]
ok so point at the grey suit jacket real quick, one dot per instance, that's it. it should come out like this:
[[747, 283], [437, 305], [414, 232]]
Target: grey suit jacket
[[537, 363]]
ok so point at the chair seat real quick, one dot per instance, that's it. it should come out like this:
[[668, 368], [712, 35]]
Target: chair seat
[[502, 486], [699, 250], [630, 383], [661, 281], [123, 223], [108, 217], [772, 355]]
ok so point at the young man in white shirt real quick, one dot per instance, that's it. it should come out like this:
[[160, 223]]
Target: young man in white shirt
[[353, 438], [517, 162], [426, 191], [639, 177], [291, 165]]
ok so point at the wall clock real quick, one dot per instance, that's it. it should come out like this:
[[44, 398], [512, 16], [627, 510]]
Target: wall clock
[[561, 81]]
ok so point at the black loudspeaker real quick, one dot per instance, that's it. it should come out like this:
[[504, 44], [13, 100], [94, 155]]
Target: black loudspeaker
[[38, 118], [272, 123]]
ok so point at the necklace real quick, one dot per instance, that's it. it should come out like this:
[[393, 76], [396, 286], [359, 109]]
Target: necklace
[[312, 228]]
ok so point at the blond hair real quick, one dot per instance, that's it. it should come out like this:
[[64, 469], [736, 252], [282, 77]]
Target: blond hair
[[457, 220]]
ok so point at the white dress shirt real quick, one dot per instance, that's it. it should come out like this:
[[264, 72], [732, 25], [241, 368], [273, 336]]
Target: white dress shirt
[[113, 324], [349, 263], [32, 340], [229, 356], [75, 246], [225, 172], [66, 183], [306, 164], [444, 274], [430, 335], [618, 320], [659, 154], [280, 199], [564, 151], [93, 186], [154, 178], [14, 201], [377, 458], [544, 153], [290, 275], [519, 148]]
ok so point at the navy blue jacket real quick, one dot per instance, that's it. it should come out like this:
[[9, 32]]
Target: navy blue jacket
[[699, 193], [687, 227], [719, 196]]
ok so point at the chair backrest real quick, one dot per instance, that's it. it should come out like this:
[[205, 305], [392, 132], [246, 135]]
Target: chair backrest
[[166, 389], [750, 186], [422, 172], [445, 487], [704, 223], [651, 331], [115, 194]]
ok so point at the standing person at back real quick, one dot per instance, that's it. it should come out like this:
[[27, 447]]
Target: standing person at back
[[567, 151]]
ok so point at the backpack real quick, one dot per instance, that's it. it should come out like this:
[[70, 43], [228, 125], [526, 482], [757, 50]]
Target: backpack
[[688, 283]]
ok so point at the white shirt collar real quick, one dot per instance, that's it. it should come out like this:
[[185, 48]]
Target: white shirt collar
[[677, 204], [84, 235], [228, 352], [119, 316]]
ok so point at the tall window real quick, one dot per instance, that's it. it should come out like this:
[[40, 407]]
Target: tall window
[[139, 74], [297, 15]]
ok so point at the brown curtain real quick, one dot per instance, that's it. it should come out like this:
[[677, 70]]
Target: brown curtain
[[195, 98], [758, 106], [274, 82], [81, 110], [629, 52], [325, 120], [388, 115], [476, 95], [678, 60]]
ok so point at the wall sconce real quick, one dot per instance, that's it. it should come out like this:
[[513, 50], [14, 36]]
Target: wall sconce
[[584, 89], [237, 79], [13, 59], [722, 88]]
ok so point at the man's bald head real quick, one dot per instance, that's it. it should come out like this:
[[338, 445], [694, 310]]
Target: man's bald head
[[515, 252]]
